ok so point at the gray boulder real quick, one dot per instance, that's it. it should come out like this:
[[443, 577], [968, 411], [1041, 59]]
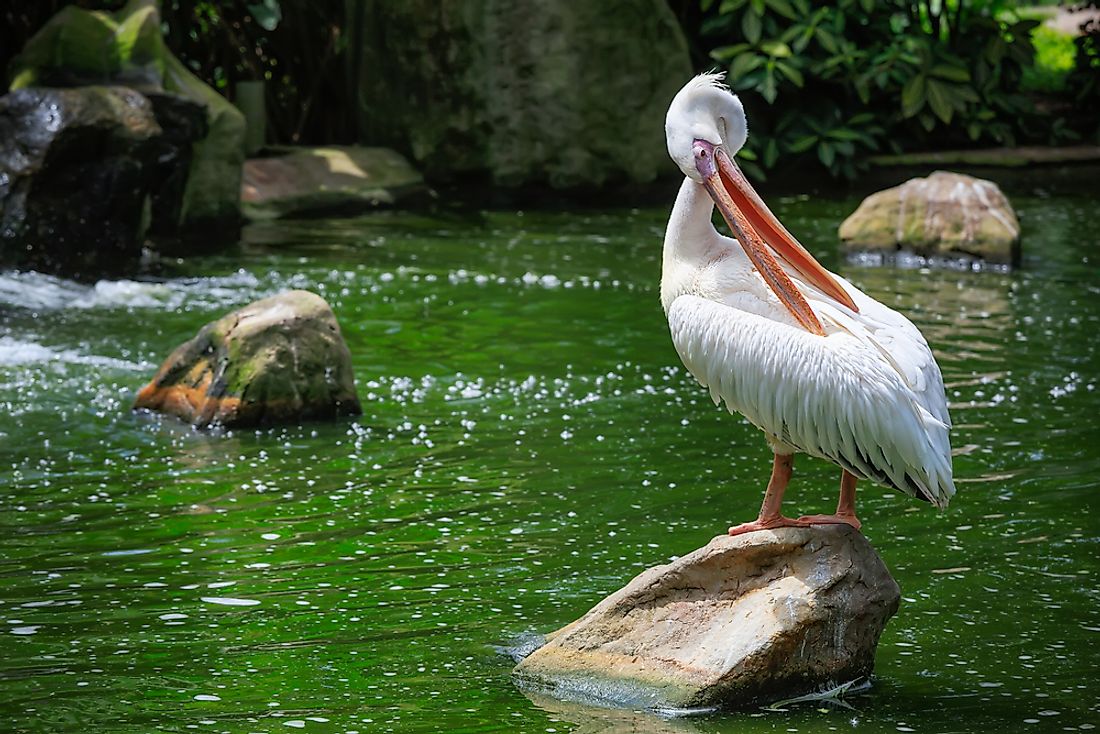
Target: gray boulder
[[944, 215], [82, 171], [304, 181], [743, 621], [279, 360], [522, 91]]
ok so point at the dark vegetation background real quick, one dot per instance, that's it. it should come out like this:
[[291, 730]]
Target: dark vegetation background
[[829, 83]]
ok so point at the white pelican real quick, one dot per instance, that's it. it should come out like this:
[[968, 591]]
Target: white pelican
[[804, 355]]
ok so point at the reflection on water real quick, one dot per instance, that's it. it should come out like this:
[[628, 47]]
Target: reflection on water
[[529, 443]]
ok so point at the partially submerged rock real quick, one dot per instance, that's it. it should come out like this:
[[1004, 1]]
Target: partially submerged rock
[[315, 180], [278, 360], [744, 620], [944, 215]]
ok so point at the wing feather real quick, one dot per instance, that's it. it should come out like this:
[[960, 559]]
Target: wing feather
[[838, 397]]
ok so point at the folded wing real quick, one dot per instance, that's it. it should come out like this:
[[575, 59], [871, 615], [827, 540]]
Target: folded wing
[[862, 397]]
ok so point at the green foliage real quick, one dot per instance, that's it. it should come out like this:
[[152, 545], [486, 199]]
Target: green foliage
[[1083, 83], [835, 81], [1055, 55]]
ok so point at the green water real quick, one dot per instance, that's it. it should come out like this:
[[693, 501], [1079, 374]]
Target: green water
[[529, 443]]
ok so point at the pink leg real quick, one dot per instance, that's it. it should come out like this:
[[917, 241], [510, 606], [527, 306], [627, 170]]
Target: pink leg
[[770, 515], [845, 507]]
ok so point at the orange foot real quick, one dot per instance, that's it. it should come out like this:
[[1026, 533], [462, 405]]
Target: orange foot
[[769, 524], [831, 520]]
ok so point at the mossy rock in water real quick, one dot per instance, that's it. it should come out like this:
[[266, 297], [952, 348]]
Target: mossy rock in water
[[744, 621], [304, 181], [944, 215], [79, 47], [278, 360]]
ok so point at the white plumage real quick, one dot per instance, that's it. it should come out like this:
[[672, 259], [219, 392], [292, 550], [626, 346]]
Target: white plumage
[[865, 394]]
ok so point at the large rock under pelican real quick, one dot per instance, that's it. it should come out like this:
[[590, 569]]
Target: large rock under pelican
[[743, 621], [946, 215], [279, 360]]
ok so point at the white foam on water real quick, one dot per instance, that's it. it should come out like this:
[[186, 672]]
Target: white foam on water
[[15, 352], [40, 292]]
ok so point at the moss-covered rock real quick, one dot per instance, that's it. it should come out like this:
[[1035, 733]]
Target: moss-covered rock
[[80, 47], [945, 214], [314, 180], [521, 91], [278, 360]]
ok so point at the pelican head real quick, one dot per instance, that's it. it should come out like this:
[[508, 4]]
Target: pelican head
[[704, 111], [704, 128]]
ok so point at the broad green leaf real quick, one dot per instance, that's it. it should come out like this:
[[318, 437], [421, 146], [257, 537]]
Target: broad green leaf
[[771, 153], [751, 26], [841, 133], [939, 99], [913, 96], [803, 144], [966, 94], [768, 88], [776, 49], [863, 89], [784, 8], [753, 171], [950, 72], [728, 6], [791, 73], [758, 8], [827, 155], [743, 64], [827, 40], [725, 53]]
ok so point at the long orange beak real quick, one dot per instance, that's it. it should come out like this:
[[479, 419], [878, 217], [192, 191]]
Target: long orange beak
[[754, 225]]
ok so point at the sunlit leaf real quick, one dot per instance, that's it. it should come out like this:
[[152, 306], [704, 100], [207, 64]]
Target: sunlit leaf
[[776, 49]]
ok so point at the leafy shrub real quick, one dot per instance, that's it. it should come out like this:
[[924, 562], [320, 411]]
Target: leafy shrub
[[853, 77]]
